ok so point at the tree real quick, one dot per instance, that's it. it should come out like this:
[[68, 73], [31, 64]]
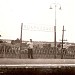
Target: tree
[[1, 41], [17, 40], [12, 42]]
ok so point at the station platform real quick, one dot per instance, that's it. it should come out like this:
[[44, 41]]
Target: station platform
[[36, 63]]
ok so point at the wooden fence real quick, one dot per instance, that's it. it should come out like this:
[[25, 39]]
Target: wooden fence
[[45, 52]]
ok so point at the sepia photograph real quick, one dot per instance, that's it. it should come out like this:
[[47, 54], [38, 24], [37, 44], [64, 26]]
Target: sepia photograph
[[37, 37]]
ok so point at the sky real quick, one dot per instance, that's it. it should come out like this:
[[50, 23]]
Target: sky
[[36, 15]]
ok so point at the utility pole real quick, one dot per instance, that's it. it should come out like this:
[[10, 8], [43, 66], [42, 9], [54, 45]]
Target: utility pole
[[62, 42], [21, 40]]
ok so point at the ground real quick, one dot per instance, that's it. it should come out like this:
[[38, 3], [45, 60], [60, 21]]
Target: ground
[[36, 62]]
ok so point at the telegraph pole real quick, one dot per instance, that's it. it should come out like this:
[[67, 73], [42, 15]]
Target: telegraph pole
[[62, 42], [21, 39]]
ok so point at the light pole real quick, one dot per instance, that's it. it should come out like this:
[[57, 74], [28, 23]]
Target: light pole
[[55, 5]]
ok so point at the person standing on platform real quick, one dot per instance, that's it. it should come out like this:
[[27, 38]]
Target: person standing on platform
[[30, 49]]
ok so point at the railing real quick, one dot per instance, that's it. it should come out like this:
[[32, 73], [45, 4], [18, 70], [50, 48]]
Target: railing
[[45, 52]]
